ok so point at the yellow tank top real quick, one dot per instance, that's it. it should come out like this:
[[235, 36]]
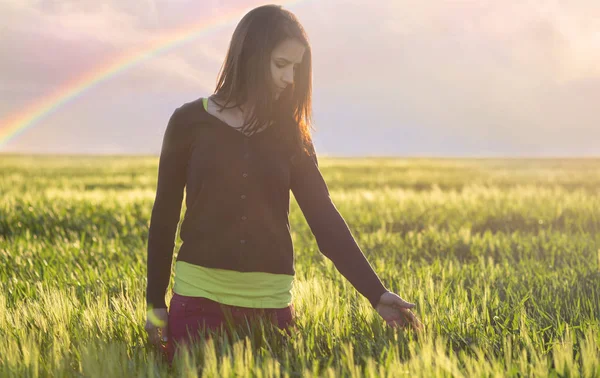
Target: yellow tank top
[[244, 289]]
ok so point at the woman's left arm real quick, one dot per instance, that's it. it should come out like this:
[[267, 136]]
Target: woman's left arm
[[336, 241]]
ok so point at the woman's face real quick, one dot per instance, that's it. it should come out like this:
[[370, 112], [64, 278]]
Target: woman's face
[[285, 57]]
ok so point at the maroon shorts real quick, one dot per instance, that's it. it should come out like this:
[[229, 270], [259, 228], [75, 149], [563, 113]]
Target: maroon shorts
[[190, 316]]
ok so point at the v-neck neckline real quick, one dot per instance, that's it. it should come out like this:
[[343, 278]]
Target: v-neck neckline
[[225, 124]]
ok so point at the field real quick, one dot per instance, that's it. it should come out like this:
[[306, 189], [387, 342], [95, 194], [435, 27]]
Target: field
[[502, 258]]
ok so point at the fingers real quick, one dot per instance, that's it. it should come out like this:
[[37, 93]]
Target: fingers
[[153, 335], [156, 335], [404, 304], [408, 315], [414, 321], [408, 318], [163, 332]]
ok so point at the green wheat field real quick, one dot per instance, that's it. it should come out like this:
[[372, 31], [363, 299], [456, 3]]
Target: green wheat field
[[501, 257]]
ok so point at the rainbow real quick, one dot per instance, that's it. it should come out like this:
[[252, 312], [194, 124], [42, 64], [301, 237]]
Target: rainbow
[[23, 119]]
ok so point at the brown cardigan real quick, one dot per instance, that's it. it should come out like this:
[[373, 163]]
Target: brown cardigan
[[237, 205]]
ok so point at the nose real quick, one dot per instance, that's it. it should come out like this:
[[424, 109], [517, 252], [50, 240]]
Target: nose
[[288, 76]]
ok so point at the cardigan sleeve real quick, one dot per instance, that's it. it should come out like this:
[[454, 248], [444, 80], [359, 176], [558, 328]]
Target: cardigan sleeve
[[330, 230], [166, 210]]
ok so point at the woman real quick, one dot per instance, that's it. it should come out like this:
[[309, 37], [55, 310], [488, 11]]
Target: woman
[[238, 153]]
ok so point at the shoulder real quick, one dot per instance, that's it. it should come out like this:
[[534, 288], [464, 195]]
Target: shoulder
[[189, 113], [185, 121], [306, 156]]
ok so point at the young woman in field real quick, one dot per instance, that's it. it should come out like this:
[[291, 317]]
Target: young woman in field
[[238, 153]]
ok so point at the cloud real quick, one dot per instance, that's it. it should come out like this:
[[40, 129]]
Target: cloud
[[81, 21], [556, 38], [483, 76], [450, 76], [75, 38]]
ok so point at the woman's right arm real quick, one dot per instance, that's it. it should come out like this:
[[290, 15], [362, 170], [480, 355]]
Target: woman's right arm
[[167, 209]]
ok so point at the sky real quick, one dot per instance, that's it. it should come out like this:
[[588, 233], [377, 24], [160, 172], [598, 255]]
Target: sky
[[390, 78]]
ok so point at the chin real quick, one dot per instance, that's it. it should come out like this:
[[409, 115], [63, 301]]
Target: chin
[[281, 94]]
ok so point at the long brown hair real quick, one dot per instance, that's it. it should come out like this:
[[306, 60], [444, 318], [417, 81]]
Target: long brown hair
[[245, 79]]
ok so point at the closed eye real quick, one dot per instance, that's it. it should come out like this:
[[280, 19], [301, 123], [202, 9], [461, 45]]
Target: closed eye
[[284, 62]]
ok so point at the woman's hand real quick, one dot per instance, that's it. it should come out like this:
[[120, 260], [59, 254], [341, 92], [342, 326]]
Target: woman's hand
[[396, 311], [156, 325]]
